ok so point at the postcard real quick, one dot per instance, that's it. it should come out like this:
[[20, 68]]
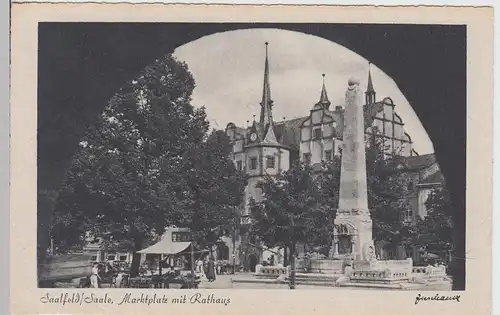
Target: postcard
[[278, 159]]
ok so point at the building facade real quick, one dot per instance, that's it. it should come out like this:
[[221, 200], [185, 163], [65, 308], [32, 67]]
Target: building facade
[[269, 147], [425, 176]]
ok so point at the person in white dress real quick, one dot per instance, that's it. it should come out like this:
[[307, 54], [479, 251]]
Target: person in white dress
[[199, 266], [94, 276]]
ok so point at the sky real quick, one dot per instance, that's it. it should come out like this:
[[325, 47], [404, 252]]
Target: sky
[[228, 69]]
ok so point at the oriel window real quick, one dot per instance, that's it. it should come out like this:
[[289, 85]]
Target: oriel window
[[270, 161], [253, 163]]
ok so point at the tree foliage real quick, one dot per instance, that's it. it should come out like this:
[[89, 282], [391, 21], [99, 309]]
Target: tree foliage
[[301, 203], [147, 164], [436, 229], [214, 190], [389, 193], [293, 208]]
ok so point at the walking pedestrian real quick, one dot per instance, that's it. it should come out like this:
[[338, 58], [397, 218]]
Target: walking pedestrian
[[211, 270], [94, 276]]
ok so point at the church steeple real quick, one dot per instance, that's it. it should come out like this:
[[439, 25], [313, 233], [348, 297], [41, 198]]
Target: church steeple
[[266, 115], [370, 91], [324, 96]]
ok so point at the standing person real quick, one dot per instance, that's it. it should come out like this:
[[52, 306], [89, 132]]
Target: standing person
[[271, 260], [94, 276], [211, 270], [218, 267], [199, 266], [205, 266]]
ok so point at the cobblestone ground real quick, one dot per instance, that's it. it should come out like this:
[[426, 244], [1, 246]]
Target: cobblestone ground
[[224, 282]]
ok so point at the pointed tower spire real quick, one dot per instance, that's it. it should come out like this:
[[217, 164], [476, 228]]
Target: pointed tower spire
[[266, 115], [370, 91], [324, 96]]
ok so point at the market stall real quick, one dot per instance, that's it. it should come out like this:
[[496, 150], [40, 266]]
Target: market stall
[[174, 246]]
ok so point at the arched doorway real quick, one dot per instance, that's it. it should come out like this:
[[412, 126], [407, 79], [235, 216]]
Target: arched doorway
[[345, 244], [343, 238], [253, 261]]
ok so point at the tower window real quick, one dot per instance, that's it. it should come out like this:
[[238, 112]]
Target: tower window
[[307, 158], [270, 161], [253, 163], [407, 216], [317, 134], [328, 155], [239, 165]]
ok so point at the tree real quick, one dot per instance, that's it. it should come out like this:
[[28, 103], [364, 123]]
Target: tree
[[327, 176], [436, 229], [290, 210], [389, 192], [214, 189], [147, 164]]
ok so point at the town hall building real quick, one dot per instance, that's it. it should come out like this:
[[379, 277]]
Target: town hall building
[[267, 147]]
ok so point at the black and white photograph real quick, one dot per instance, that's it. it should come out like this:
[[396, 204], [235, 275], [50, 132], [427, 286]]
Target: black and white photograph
[[251, 156], [250, 159]]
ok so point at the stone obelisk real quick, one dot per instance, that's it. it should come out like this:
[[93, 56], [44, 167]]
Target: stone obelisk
[[353, 214]]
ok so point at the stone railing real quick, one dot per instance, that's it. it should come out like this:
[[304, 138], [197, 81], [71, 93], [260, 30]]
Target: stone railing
[[319, 265], [430, 270], [429, 274], [420, 270], [326, 266], [378, 276], [270, 270], [381, 265]]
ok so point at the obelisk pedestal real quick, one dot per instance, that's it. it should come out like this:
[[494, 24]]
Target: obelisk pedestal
[[353, 216]]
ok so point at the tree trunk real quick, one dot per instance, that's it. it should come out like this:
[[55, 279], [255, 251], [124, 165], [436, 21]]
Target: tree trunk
[[285, 256], [136, 259], [134, 266], [233, 255], [400, 252], [292, 266]]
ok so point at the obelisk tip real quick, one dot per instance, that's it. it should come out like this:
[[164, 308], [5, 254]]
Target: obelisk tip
[[353, 81]]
